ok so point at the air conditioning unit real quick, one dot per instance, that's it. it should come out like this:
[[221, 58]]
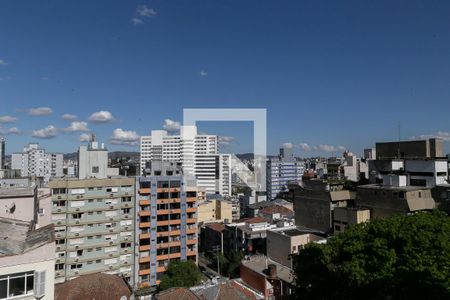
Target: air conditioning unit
[[58, 235], [58, 247], [111, 243], [76, 271], [77, 222], [77, 209], [58, 210], [76, 259], [111, 195], [76, 247], [78, 197], [126, 262], [111, 230], [126, 238], [126, 205], [59, 222], [126, 216], [111, 206], [110, 255], [126, 250], [77, 234]]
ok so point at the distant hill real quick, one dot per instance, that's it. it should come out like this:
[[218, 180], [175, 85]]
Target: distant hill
[[112, 155]]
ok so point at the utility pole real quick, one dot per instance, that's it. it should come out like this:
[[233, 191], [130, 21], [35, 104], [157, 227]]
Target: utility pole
[[217, 249]]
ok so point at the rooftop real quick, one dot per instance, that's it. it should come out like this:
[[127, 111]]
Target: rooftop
[[216, 226], [277, 209], [93, 286], [260, 263], [17, 238], [16, 192], [408, 188]]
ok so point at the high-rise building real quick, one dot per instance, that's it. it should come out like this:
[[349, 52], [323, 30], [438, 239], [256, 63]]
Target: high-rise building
[[94, 220], [35, 161], [197, 153], [281, 170], [2, 153], [166, 229]]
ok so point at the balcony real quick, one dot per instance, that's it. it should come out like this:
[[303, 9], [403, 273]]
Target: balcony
[[144, 191]]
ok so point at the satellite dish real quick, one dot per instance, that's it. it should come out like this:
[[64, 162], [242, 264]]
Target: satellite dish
[[11, 208], [123, 298]]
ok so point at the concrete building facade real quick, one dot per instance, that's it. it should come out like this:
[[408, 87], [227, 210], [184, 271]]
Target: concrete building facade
[[166, 227], [35, 161], [281, 170], [197, 153], [94, 226], [283, 243]]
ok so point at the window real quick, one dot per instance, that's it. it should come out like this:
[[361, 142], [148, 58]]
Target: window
[[16, 284], [59, 191], [95, 169]]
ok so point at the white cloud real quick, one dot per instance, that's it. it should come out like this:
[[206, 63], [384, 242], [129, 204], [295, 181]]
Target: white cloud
[[39, 111], [171, 125], [305, 147], [69, 117], [77, 126], [102, 116], [330, 148], [287, 145], [438, 135], [124, 137], [145, 11], [84, 137], [203, 73], [226, 140], [2, 62], [13, 130], [137, 21], [45, 133], [142, 11], [8, 119]]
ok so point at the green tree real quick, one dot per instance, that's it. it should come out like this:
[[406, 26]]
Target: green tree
[[403, 257], [180, 274]]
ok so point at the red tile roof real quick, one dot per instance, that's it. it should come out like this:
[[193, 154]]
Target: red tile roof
[[177, 294], [97, 286], [216, 226], [256, 220], [276, 209]]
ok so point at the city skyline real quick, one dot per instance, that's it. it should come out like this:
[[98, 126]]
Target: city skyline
[[331, 76]]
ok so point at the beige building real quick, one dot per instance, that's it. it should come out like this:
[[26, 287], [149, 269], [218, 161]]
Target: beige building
[[345, 216], [215, 210], [283, 243], [27, 261], [315, 201], [27, 245], [384, 201]]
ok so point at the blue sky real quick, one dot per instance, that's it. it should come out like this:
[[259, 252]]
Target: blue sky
[[329, 73]]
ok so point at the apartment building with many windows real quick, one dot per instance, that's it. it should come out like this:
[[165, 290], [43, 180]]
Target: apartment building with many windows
[[35, 161], [166, 227], [94, 226], [197, 153]]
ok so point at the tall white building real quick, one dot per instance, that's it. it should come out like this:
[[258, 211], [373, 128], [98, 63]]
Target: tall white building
[[35, 161], [2, 153], [198, 154]]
